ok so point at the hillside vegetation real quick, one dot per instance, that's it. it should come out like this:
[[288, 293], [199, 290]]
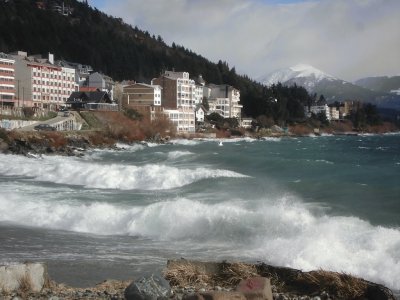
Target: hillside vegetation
[[89, 36]]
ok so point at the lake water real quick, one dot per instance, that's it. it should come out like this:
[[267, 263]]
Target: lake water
[[330, 202]]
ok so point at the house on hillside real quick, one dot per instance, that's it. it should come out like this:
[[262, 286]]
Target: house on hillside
[[98, 100], [102, 82], [200, 113]]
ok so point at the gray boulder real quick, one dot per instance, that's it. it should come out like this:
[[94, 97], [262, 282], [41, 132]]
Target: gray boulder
[[148, 288]]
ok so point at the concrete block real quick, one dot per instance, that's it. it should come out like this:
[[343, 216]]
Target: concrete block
[[29, 276]]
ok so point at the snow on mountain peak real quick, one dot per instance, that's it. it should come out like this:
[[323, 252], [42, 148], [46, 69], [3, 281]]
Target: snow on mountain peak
[[312, 74]]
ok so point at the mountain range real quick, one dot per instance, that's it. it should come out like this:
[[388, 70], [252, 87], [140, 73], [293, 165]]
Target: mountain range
[[382, 91]]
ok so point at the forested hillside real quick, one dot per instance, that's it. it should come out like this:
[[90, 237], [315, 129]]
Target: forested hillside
[[89, 36]]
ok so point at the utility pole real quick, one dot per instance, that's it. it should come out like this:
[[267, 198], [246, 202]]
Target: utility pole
[[18, 90]]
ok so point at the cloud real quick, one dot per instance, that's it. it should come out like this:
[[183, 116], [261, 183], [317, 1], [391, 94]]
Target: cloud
[[346, 38]]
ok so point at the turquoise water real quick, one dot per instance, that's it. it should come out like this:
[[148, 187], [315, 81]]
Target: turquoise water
[[329, 202]]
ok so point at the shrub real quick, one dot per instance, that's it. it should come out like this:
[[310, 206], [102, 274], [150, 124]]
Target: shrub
[[56, 139], [28, 112]]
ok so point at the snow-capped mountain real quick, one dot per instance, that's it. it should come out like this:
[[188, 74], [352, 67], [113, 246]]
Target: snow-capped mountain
[[383, 84], [334, 89], [306, 74]]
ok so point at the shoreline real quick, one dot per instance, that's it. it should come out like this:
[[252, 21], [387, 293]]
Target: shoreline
[[34, 144], [186, 277]]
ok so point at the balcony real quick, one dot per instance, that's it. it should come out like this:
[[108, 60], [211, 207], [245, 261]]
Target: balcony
[[7, 91]]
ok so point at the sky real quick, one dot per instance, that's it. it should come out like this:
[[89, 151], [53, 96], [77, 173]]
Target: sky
[[348, 39]]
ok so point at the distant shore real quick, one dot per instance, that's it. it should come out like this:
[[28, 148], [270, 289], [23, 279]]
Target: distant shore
[[74, 143]]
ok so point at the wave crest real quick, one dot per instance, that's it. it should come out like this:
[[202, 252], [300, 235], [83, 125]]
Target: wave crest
[[114, 176]]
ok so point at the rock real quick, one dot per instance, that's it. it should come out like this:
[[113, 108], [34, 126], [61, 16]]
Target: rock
[[151, 288], [256, 288], [28, 277]]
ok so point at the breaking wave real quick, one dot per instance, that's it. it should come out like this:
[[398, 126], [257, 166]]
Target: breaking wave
[[72, 171], [280, 231]]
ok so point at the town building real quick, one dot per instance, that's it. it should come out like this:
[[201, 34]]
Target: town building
[[102, 82], [7, 81], [318, 107], [341, 110], [144, 98], [224, 100], [82, 71], [334, 112], [41, 83], [97, 100], [182, 118], [178, 90], [199, 90], [200, 113], [246, 123], [347, 107], [178, 99]]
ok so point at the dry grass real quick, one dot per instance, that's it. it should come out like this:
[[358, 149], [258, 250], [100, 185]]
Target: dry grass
[[222, 134], [342, 126], [186, 274], [25, 284], [56, 139], [343, 285], [229, 275], [119, 127], [301, 129], [232, 273]]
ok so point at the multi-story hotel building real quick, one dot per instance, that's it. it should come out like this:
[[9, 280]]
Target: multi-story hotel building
[[7, 80], [41, 83], [178, 90], [178, 99], [224, 100]]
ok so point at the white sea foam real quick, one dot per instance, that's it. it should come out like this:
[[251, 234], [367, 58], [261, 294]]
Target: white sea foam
[[280, 231], [236, 140], [186, 142], [178, 154], [325, 161], [228, 140], [132, 148], [115, 176], [272, 139]]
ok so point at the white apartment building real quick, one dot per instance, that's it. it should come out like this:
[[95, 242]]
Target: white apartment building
[[183, 119], [318, 108], [224, 100], [178, 90], [7, 80], [178, 99], [41, 83], [334, 113]]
